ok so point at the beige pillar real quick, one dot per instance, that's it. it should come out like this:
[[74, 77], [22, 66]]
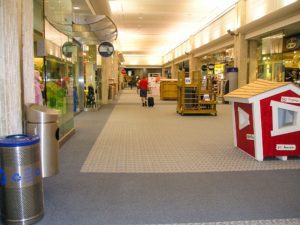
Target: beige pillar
[[116, 70], [192, 60], [16, 58], [163, 72], [252, 61], [192, 64], [106, 74], [241, 54], [174, 71], [27, 50]]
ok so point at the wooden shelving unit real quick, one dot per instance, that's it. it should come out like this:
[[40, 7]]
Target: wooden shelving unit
[[168, 89], [197, 97]]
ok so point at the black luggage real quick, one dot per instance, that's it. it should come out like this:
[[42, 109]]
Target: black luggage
[[150, 101]]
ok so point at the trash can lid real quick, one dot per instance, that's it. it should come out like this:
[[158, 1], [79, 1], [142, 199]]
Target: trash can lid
[[40, 114], [19, 140]]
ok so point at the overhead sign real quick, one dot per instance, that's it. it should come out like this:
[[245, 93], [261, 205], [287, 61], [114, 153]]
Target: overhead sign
[[291, 43], [67, 49], [106, 49]]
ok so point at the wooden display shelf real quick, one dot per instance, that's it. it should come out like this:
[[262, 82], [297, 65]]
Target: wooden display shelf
[[168, 89], [194, 98]]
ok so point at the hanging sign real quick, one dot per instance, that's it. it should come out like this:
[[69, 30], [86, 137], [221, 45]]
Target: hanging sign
[[106, 49], [204, 67], [67, 49], [211, 66]]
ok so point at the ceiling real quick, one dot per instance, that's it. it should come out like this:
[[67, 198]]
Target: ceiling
[[145, 28], [154, 27]]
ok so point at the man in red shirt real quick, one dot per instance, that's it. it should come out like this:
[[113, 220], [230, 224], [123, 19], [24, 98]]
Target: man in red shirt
[[143, 85]]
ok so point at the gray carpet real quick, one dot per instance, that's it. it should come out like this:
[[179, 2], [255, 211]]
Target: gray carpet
[[74, 198], [140, 139]]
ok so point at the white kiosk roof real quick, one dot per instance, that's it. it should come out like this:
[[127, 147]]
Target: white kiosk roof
[[258, 90]]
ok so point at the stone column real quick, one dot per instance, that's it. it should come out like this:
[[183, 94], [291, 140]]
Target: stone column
[[252, 61], [27, 50], [192, 64], [16, 59], [241, 55], [241, 46], [116, 70], [174, 71], [106, 74], [163, 72], [192, 60]]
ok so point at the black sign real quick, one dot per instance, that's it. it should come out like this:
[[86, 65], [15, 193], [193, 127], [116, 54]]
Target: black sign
[[204, 67], [67, 49], [291, 43], [211, 66], [106, 49]]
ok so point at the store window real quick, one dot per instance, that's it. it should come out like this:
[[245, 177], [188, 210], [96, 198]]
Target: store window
[[215, 65], [279, 58]]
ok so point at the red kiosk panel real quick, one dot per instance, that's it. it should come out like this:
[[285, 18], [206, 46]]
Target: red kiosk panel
[[270, 142]]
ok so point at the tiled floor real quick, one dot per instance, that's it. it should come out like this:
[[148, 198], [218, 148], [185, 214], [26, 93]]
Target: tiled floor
[[138, 139], [123, 192], [252, 222]]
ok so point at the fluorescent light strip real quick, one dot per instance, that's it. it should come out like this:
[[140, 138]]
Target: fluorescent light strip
[[90, 7]]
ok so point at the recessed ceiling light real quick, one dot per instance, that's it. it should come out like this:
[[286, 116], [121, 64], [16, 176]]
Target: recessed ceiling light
[[76, 7]]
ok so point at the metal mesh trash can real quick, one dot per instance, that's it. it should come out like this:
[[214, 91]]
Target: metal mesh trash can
[[21, 180], [42, 121]]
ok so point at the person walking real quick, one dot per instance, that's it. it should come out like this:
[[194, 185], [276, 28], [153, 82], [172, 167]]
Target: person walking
[[143, 85]]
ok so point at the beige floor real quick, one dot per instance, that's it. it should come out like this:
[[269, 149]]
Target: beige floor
[[138, 139], [251, 222]]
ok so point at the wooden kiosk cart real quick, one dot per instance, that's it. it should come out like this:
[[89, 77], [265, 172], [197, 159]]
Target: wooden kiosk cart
[[168, 89], [195, 96]]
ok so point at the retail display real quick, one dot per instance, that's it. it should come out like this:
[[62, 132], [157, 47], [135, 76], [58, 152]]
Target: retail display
[[38, 88], [168, 89], [266, 119], [90, 98], [197, 96], [56, 95]]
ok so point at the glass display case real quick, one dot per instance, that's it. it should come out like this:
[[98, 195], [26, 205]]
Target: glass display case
[[59, 92]]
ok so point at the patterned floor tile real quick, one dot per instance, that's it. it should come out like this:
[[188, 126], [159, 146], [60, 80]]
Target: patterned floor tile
[[138, 139]]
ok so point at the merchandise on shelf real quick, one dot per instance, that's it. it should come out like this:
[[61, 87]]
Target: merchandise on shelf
[[195, 97]]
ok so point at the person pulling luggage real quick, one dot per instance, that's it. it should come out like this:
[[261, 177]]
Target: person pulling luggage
[[143, 85]]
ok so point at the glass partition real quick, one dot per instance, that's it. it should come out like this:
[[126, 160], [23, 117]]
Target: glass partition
[[59, 91]]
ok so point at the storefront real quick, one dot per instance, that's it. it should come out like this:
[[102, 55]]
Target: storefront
[[56, 74], [279, 57], [216, 65]]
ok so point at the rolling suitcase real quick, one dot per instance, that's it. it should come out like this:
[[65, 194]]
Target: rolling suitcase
[[150, 101]]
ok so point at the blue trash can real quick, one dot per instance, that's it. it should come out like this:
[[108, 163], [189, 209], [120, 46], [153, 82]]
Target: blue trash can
[[22, 188]]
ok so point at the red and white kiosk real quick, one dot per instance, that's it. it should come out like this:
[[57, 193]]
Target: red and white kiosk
[[266, 117]]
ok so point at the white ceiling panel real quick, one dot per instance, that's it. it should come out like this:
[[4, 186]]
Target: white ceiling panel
[[157, 26]]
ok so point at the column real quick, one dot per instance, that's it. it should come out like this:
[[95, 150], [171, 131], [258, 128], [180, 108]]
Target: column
[[106, 74], [252, 61], [27, 64], [116, 70], [163, 72], [192, 64], [241, 46], [16, 36], [174, 71], [241, 54], [192, 60]]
